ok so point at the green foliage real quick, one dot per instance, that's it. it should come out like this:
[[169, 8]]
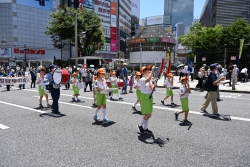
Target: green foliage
[[212, 41], [62, 28]]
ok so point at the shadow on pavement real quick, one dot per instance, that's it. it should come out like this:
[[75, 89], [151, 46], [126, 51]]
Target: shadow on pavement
[[144, 137], [52, 115], [221, 117], [174, 106], [101, 123], [137, 112]]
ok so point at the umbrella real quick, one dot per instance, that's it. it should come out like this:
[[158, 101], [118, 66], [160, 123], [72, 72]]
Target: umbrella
[[92, 66], [181, 65]]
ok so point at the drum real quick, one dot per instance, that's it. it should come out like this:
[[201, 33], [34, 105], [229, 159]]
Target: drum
[[65, 77], [57, 76]]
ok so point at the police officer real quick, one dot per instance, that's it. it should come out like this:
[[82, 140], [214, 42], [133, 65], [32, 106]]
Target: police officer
[[55, 92]]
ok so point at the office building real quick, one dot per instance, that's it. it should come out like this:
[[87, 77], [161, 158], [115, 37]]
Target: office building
[[224, 12], [179, 11]]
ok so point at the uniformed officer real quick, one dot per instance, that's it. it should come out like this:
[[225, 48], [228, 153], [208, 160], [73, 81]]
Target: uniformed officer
[[55, 92]]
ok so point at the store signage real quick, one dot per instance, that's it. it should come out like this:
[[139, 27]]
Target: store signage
[[113, 45], [113, 21], [153, 39], [137, 40], [168, 40], [102, 7], [113, 33], [30, 51], [113, 8], [5, 52], [107, 40]]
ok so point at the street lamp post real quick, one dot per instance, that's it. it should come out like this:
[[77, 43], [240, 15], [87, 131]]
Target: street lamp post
[[76, 44], [25, 58], [140, 55]]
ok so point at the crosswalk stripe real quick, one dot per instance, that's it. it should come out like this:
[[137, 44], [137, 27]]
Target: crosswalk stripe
[[3, 126]]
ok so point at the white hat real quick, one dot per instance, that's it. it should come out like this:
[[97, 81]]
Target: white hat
[[235, 65], [125, 64]]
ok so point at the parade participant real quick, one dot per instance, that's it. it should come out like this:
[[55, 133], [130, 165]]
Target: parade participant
[[41, 88], [212, 90], [94, 90], [33, 73], [8, 74], [114, 84], [124, 74], [137, 87], [168, 84], [101, 98], [131, 83], [184, 92], [21, 73], [75, 83], [55, 92], [146, 102]]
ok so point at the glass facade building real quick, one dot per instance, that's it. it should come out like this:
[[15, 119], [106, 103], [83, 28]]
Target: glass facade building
[[224, 12], [179, 11]]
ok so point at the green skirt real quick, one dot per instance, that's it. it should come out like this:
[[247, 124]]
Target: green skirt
[[146, 104], [138, 94], [114, 92]]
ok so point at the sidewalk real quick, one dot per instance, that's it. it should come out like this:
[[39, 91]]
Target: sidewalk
[[240, 87]]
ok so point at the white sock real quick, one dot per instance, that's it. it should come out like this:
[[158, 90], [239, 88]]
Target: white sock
[[142, 122], [73, 96], [76, 99], [104, 113], [118, 95], [96, 111], [135, 103], [146, 125]]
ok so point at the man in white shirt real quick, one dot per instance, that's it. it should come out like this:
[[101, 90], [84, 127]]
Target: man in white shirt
[[185, 70], [235, 75], [243, 74]]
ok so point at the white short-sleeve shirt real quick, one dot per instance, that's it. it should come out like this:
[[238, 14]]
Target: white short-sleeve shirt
[[182, 90], [101, 84], [145, 87], [113, 81], [167, 83], [137, 83]]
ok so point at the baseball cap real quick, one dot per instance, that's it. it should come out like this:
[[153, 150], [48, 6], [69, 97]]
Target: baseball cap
[[184, 78], [51, 66], [169, 74], [101, 71], [212, 66]]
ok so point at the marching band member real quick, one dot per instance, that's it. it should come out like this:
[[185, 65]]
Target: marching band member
[[55, 92], [74, 81], [168, 84], [137, 87], [146, 102], [21, 73], [113, 82], [94, 91], [101, 98], [41, 88]]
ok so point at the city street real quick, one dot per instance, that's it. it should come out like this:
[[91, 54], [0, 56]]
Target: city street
[[29, 140]]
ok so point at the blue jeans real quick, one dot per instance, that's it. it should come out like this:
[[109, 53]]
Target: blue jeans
[[55, 94], [125, 81]]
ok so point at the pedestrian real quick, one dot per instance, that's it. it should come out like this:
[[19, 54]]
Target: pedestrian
[[54, 90], [137, 86], [146, 102], [243, 74], [212, 91], [33, 74], [184, 93], [192, 73], [75, 87], [94, 90], [230, 71], [67, 85], [8, 74], [21, 73], [42, 88], [124, 74], [114, 84], [185, 70], [235, 74], [131, 83], [168, 84], [89, 80], [101, 98]]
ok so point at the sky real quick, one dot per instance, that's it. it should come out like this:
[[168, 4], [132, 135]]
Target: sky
[[149, 9]]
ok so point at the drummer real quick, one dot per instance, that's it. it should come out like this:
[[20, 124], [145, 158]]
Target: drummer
[[41, 88], [113, 81], [146, 87], [101, 98], [55, 92]]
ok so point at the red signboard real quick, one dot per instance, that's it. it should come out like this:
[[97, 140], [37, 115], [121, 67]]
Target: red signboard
[[30, 51], [113, 33]]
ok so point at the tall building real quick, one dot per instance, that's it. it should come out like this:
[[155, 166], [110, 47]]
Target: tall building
[[224, 12], [179, 11], [23, 23]]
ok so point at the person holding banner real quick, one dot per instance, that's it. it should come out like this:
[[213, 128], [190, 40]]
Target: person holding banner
[[41, 88], [8, 74], [55, 92], [21, 73], [146, 102]]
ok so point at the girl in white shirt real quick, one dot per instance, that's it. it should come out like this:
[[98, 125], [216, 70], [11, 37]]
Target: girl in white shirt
[[75, 86], [137, 86], [146, 102], [168, 84], [101, 98], [114, 84]]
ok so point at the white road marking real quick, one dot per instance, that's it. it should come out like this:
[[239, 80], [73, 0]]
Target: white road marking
[[128, 103], [3, 126]]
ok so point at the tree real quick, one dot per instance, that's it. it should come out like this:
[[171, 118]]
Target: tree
[[62, 28], [213, 41]]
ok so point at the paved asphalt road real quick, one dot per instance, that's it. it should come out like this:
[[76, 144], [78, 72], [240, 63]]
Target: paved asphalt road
[[28, 140]]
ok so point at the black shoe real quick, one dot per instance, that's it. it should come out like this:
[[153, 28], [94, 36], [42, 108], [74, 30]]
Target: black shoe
[[176, 115], [56, 112], [40, 106], [140, 129], [186, 121], [172, 104], [217, 115], [162, 102], [148, 131], [203, 111], [134, 108]]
